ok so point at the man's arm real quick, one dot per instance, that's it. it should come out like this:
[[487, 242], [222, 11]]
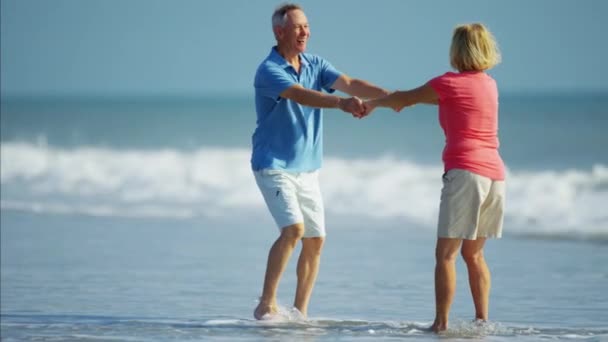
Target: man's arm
[[317, 99], [357, 87]]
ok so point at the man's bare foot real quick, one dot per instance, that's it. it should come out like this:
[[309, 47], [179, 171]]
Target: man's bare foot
[[264, 311], [480, 321], [438, 327], [296, 315]]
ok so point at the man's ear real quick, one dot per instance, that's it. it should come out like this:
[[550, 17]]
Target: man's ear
[[278, 32]]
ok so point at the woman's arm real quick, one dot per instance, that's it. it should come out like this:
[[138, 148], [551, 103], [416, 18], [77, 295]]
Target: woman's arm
[[404, 98]]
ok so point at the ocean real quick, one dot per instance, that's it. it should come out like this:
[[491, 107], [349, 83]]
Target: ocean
[[138, 219]]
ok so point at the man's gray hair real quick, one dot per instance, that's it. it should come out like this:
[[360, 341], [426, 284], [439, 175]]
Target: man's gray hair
[[279, 15]]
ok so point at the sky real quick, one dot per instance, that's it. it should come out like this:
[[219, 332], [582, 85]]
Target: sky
[[202, 47]]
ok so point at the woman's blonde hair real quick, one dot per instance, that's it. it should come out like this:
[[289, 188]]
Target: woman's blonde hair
[[473, 48]]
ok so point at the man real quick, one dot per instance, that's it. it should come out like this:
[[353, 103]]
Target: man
[[288, 146]]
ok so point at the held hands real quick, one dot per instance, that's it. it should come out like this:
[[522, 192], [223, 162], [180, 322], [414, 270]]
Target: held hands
[[352, 105], [369, 105], [360, 109], [356, 107]]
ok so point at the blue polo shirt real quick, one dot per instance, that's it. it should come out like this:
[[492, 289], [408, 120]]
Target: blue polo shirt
[[289, 136]]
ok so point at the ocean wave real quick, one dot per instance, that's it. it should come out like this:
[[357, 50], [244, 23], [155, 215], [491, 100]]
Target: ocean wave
[[218, 182]]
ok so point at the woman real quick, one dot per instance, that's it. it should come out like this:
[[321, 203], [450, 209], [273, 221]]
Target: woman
[[472, 198]]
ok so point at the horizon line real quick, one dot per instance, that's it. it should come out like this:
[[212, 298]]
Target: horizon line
[[205, 95]]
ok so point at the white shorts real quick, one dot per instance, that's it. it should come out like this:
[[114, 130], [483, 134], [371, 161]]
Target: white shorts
[[471, 206], [293, 198]]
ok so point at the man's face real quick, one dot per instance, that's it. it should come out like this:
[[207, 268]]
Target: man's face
[[294, 35]]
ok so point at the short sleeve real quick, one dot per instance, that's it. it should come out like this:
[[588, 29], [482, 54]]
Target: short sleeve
[[272, 80], [439, 84], [329, 75]]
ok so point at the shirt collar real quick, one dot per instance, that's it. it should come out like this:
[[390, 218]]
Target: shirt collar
[[277, 58]]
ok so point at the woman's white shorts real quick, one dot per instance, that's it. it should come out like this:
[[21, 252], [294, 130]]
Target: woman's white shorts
[[471, 206]]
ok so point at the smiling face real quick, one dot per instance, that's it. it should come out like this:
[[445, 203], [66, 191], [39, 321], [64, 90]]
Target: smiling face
[[293, 36]]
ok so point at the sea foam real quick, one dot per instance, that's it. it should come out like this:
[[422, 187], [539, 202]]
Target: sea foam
[[217, 182]]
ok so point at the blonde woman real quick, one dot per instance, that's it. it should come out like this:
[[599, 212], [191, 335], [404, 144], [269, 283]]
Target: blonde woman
[[473, 194]]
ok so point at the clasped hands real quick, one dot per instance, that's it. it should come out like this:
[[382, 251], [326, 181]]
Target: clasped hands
[[359, 108]]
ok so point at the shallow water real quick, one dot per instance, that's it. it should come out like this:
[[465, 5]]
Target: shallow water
[[59, 328], [86, 278]]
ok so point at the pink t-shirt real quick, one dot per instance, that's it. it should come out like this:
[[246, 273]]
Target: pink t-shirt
[[468, 114]]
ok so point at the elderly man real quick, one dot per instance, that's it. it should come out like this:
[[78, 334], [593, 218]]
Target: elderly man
[[288, 146]]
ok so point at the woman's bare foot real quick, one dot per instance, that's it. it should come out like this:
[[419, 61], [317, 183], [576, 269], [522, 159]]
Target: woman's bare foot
[[438, 327]]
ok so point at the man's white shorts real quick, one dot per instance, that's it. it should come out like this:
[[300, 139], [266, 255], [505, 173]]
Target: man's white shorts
[[471, 206], [293, 198]]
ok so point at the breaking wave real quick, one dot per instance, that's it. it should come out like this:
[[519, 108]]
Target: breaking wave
[[218, 182]]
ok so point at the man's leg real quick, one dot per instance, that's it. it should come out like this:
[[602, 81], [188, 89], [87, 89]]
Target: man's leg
[[445, 280], [479, 275], [277, 261], [308, 268]]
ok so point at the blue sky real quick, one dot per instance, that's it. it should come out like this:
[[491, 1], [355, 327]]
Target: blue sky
[[192, 47]]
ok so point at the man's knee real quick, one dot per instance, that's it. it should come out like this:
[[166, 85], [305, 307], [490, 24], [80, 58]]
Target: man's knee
[[313, 245], [293, 233]]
